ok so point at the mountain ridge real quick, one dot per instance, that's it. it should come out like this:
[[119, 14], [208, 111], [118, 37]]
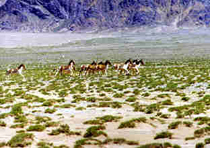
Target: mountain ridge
[[75, 15]]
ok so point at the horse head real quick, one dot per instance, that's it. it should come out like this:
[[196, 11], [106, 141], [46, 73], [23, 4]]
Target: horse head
[[135, 61], [128, 61], [71, 62], [142, 62], [108, 62], [94, 63], [22, 65]]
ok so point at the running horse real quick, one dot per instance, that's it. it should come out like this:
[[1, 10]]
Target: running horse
[[17, 70], [83, 68], [136, 65], [103, 67], [67, 69], [91, 68], [123, 67]]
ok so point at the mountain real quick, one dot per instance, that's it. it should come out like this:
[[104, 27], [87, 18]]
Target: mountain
[[75, 15]]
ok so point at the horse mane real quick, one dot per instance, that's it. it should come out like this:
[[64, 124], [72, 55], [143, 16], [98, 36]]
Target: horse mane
[[93, 63], [129, 60], [135, 61], [71, 62], [141, 61], [21, 66], [101, 62], [108, 62]]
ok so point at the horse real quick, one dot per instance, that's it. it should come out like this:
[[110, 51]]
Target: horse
[[103, 66], [91, 68], [83, 68], [136, 65], [68, 69], [123, 67], [17, 70]]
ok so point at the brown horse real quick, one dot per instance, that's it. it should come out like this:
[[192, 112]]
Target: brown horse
[[103, 67], [17, 70], [136, 65], [117, 66], [91, 68], [83, 68], [67, 69]]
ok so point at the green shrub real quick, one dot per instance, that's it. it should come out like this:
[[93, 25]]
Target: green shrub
[[176, 146], [152, 107], [51, 124], [21, 125], [199, 145], [2, 123], [118, 95], [146, 94], [95, 122], [43, 144], [87, 141], [119, 141], [48, 103], [67, 106], [163, 135], [167, 145], [127, 124], [136, 91], [21, 119], [167, 102], [189, 138], [207, 141], [131, 99], [109, 118], [50, 111], [95, 131], [3, 144], [41, 119], [17, 109], [38, 128], [152, 145], [187, 123], [80, 108], [91, 99], [185, 99], [63, 129], [131, 123], [21, 140], [165, 116], [174, 125]]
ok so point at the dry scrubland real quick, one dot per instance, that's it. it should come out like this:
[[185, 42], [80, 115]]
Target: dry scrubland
[[166, 105]]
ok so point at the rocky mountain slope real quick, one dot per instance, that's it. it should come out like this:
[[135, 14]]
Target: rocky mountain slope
[[60, 15]]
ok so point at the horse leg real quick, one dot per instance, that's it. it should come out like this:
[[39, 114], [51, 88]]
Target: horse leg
[[137, 70], [126, 70], [58, 71], [105, 71], [20, 73]]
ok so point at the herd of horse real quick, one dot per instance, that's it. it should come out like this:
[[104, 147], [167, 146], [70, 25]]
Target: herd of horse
[[130, 66]]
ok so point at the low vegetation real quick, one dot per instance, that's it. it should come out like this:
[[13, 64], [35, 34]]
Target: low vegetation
[[171, 94]]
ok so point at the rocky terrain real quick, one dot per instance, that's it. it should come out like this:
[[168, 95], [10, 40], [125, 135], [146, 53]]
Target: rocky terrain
[[76, 15]]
